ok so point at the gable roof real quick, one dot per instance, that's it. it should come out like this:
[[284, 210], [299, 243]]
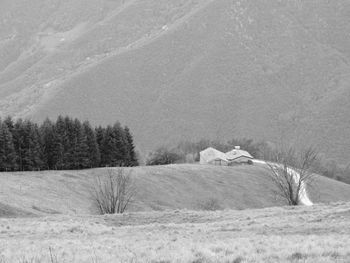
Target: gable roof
[[211, 154], [237, 153]]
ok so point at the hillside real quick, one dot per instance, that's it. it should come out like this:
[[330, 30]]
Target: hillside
[[158, 188], [190, 69]]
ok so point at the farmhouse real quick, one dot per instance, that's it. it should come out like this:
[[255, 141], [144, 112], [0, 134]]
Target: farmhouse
[[212, 156], [215, 157], [238, 156]]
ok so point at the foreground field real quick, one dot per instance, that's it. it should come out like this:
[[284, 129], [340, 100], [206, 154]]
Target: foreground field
[[186, 186], [286, 234]]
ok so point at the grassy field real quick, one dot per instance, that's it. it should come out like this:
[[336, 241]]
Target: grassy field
[[50, 217], [320, 233], [187, 186]]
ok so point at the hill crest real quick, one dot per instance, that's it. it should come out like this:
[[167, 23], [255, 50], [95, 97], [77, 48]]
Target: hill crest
[[159, 188]]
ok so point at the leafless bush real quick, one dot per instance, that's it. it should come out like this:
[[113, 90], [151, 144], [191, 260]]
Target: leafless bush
[[113, 192], [163, 156], [291, 172], [211, 204]]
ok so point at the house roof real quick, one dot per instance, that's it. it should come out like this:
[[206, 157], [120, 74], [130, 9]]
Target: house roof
[[237, 153], [212, 154]]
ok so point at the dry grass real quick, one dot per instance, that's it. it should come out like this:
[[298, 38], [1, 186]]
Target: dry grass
[[286, 234]]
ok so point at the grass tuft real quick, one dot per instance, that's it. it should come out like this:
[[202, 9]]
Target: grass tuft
[[296, 256]]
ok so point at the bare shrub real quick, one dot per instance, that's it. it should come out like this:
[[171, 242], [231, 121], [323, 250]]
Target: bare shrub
[[291, 172], [113, 192], [163, 156], [211, 204]]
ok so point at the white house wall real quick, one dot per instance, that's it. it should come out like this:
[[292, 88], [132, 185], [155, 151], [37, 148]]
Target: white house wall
[[210, 154], [218, 162], [241, 159]]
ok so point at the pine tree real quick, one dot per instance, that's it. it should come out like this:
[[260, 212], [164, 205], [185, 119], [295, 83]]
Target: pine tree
[[80, 146], [100, 133], [120, 154], [62, 143], [37, 147], [108, 147], [9, 123], [132, 159], [51, 146], [7, 149], [94, 155], [69, 157], [18, 141], [32, 153]]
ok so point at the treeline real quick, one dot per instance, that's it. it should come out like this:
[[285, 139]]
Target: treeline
[[65, 144], [188, 152]]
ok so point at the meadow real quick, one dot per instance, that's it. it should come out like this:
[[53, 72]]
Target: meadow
[[320, 233], [50, 217]]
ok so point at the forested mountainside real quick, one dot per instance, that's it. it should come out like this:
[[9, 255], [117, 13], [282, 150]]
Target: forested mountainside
[[187, 69]]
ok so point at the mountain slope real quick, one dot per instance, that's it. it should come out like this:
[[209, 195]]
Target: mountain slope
[[191, 69], [158, 188]]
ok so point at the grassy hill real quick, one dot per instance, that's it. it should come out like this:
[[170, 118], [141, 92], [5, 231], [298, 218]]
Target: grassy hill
[[158, 188], [190, 69]]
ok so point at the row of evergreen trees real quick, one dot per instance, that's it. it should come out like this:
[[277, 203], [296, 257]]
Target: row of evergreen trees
[[65, 144]]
